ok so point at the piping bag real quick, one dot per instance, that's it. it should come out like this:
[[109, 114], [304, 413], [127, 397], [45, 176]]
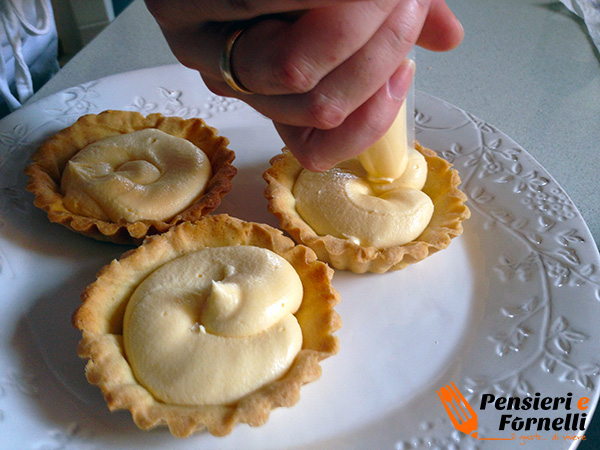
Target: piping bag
[[387, 158]]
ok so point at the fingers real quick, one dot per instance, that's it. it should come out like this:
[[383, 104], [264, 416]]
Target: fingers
[[319, 150], [360, 76], [276, 56], [441, 31], [183, 13], [299, 54], [279, 57], [352, 82], [324, 76], [197, 29]]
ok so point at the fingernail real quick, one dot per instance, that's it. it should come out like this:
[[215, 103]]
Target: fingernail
[[399, 83]]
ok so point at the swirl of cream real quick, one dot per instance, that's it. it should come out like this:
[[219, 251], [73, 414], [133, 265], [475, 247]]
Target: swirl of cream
[[213, 325], [344, 202], [147, 174]]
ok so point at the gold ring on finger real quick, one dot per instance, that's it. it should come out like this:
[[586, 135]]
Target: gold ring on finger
[[225, 62]]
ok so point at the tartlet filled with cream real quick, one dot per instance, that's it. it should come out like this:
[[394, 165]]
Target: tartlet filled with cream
[[392, 206], [210, 324], [120, 176]]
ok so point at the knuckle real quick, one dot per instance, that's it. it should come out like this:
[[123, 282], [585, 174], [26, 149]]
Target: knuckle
[[403, 29], [294, 75], [324, 112], [398, 38]]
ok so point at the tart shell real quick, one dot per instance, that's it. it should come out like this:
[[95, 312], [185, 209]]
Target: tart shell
[[100, 318], [446, 223], [50, 159]]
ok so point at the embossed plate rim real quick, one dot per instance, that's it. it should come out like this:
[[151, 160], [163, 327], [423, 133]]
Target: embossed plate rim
[[508, 191]]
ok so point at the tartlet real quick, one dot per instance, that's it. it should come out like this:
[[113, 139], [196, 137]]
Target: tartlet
[[51, 158], [101, 315], [446, 223]]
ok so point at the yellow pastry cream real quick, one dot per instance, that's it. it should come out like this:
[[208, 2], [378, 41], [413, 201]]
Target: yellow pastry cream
[[374, 200], [146, 174], [387, 159], [213, 325]]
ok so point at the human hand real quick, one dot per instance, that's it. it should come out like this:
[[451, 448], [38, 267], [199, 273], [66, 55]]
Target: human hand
[[332, 76]]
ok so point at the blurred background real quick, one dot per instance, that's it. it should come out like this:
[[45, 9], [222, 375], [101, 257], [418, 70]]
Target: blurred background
[[79, 21], [37, 37]]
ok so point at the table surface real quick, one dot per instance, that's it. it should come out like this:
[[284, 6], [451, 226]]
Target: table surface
[[527, 67]]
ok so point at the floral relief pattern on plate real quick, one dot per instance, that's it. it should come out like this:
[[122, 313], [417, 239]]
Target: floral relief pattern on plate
[[512, 195], [531, 325]]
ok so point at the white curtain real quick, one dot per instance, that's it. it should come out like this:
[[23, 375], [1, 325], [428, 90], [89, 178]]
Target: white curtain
[[29, 49]]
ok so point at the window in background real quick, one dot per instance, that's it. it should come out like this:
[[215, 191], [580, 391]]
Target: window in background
[[80, 21]]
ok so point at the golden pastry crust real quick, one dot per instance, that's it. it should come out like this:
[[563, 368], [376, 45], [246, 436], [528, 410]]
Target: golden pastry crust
[[441, 186], [100, 318], [52, 156]]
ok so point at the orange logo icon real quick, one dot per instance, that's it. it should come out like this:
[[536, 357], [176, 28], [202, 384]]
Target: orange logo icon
[[462, 414]]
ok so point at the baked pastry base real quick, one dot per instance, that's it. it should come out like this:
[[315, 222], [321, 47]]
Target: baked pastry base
[[441, 186], [50, 159], [100, 319]]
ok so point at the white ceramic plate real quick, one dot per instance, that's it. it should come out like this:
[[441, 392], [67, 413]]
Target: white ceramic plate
[[510, 309]]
